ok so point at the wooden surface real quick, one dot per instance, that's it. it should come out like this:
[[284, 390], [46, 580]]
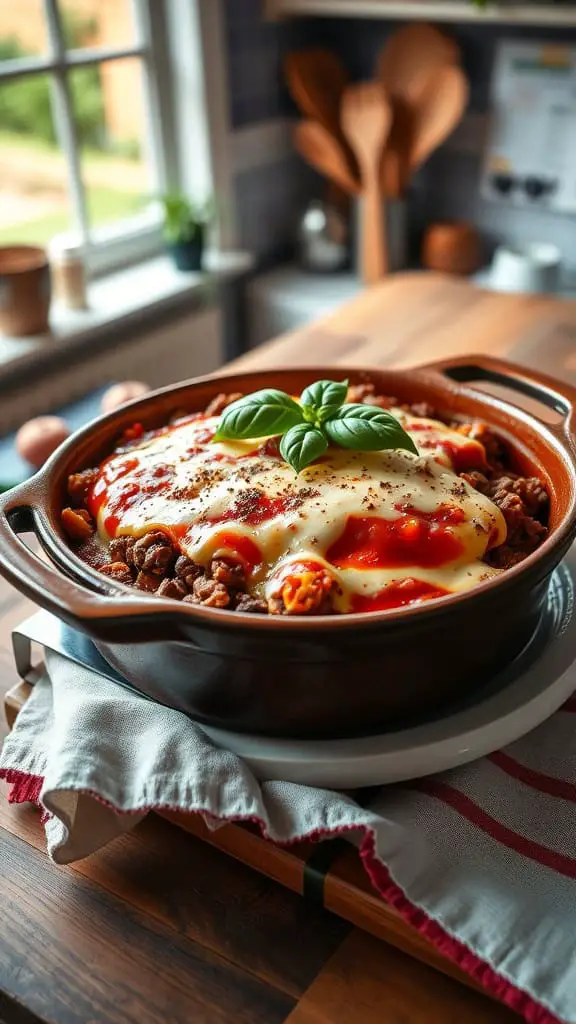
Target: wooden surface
[[416, 318], [160, 927]]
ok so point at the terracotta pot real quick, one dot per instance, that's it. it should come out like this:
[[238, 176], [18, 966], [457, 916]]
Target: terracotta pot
[[452, 248], [24, 290], [325, 675]]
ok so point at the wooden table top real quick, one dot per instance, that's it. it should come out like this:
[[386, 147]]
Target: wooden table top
[[159, 928], [419, 317]]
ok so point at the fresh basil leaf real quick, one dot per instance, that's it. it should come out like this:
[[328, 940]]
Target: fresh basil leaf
[[366, 428], [301, 445], [324, 397], [262, 414]]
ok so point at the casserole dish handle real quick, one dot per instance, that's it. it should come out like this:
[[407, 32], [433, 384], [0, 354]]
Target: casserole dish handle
[[553, 393], [114, 618]]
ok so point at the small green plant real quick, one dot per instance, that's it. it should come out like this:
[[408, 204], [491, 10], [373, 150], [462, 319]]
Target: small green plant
[[184, 219]]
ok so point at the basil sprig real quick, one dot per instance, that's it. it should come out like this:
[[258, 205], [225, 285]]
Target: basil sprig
[[309, 425]]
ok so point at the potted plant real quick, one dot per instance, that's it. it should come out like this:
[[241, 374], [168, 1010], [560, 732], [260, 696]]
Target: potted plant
[[185, 225]]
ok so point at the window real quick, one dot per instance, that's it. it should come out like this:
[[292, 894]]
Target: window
[[83, 145]]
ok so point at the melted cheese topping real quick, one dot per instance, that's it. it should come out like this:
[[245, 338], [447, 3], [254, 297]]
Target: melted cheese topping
[[382, 523]]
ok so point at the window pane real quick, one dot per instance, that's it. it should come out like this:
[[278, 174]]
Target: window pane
[[22, 28], [33, 191], [105, 23], [109, 113]]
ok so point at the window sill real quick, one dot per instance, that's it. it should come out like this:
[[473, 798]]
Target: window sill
[[133, 296]]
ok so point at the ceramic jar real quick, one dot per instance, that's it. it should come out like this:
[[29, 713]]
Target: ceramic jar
[[24, 290]]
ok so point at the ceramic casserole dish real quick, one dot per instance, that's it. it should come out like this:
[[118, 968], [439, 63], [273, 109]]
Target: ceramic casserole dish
[[302, 676]]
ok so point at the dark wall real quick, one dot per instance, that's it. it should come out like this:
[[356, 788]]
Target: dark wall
[[256, 50]]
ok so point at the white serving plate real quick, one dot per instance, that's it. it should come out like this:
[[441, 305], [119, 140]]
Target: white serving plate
[[508, 711], [529, 690]]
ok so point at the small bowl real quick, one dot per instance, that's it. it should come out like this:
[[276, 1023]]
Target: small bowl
[[532, 268]]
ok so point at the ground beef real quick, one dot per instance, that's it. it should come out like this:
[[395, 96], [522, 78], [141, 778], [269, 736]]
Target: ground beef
[[79, 484], [524, 503], [154, 553], [187, 570], [122, 549], [147, 581], [211, 593], [525, 532], [118, 571], [247, 603], [530, 490], [476, 480], [229, 572], [172, 588], [77, 523]]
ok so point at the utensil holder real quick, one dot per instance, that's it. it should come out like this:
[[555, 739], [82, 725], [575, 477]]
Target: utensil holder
[[395, 226]]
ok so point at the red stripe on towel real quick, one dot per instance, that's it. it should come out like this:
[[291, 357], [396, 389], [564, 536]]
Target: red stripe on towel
[[536, 780], [495, 829], [570, 704], [25, 788], [454, 950]]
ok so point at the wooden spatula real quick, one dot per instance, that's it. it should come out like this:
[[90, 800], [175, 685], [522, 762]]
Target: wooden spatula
[[440, 109], [409, 54], [366, 117], [316, 80], [322, 151]]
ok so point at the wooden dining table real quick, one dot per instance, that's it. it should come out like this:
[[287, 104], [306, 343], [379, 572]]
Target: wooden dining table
[[162, 928]]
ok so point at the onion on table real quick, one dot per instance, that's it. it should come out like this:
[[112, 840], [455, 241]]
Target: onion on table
[[121, 393], [38, 438]]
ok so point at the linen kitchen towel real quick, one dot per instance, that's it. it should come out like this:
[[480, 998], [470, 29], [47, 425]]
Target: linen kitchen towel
[[481, 859]]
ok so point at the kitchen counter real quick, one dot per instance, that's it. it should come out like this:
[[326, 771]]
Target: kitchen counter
[[417, 317], [159, 928]]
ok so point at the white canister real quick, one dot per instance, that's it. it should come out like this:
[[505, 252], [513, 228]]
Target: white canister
[[530, 268], [68, 272]]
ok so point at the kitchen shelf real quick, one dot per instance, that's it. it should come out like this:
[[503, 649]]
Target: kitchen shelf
[[406, 10]]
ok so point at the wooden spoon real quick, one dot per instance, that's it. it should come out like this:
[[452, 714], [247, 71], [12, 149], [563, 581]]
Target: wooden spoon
[[436, 115], [408, 52], [403, 64], [366, 118], [323, 152], [316, 80], [393, 171], [320, 149]]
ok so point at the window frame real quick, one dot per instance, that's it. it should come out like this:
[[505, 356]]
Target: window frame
[[138, 237]]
